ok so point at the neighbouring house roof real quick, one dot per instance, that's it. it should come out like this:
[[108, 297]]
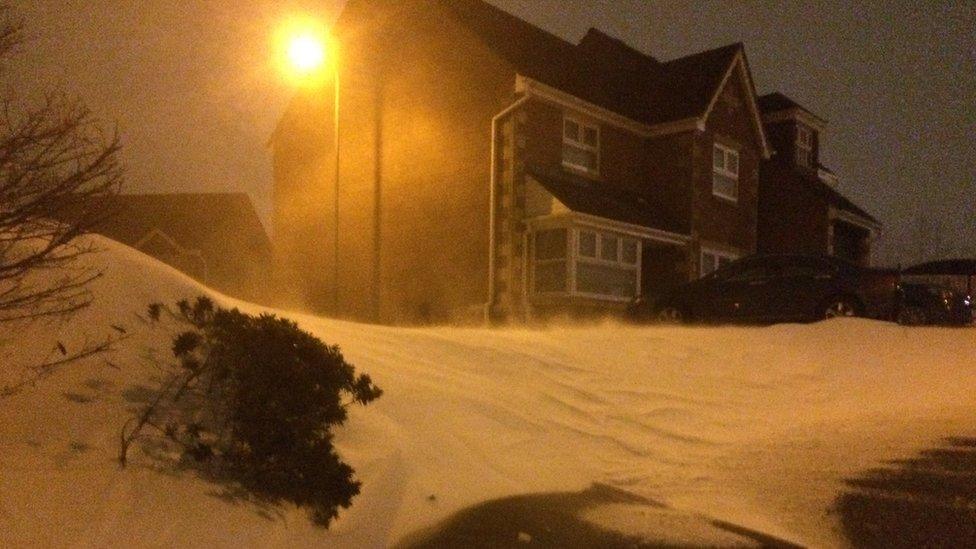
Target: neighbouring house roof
[[213, 223], [948, 267], [221, 230], [588, 196]]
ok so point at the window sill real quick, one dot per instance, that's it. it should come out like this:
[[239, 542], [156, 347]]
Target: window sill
[[581, 295], [726, 198], [581, 170]]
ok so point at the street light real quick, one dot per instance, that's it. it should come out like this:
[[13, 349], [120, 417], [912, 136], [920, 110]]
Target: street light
[[309, 58]]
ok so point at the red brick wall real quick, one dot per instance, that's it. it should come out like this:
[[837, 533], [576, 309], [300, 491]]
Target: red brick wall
[[717, 221], [416, 125], [669, 164], [657, 168], [792, 218], [441, 95]]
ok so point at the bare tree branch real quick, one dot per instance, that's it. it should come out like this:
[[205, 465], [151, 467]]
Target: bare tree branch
[[58, 171], [37, 372]]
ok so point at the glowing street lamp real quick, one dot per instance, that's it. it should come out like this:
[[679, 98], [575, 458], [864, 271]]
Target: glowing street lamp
[[306, 53]]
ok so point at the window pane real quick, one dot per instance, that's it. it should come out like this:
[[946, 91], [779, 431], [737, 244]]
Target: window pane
[[550, 244], [725, 186], [630, 252], [803, 157], [590, 136], [718, 158], [579, 157], [606, 280], [608, 248], [732, 161], [587, 244], [550, 277], [571, 130]]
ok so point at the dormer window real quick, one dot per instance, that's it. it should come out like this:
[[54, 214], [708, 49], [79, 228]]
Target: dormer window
[[804, 146], [725, 172], [581, 146]]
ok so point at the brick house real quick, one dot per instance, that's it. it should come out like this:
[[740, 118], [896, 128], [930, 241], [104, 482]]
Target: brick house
[[489, 169], [820, 220]]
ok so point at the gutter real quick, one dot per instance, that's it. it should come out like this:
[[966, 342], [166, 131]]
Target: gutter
[[491, 204]]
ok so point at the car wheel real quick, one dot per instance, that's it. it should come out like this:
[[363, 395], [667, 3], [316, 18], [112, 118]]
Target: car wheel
[[840, 308], [671, 315], [912, 316]]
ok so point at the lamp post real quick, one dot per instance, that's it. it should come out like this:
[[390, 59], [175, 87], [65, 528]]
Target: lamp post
[[335, 200], [308, 51]]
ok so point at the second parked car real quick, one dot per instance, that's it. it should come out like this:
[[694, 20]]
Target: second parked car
[[930, 304], [775, 288]]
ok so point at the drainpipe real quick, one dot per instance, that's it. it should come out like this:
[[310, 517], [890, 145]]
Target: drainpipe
[[491, 206]]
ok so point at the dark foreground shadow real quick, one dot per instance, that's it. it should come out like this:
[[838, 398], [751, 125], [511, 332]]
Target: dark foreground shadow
[[926, 501], [556, 520], [153, 451]]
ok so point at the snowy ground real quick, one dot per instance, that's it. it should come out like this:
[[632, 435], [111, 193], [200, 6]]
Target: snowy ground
[[757, 427]]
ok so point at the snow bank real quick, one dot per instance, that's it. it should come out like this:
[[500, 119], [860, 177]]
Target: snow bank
[[754, 426]]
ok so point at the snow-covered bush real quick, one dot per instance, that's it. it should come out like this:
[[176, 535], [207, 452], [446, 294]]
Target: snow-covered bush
[[254, 399]]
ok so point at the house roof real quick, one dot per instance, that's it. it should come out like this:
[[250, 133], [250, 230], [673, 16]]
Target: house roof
[[841, 202], [834, 197], [601, 69], [588, 196], [684, 87], [776, 102], [216, 224], [950, 267]]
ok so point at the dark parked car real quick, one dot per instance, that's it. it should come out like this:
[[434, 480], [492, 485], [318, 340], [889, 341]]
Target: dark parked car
[[927, 304], [775, 288]]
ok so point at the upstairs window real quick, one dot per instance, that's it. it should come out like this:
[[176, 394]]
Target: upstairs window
[[804, 146], [725, 172], [581, 146]]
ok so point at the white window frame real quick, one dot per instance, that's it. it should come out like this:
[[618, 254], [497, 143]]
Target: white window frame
[[804, 146], [724, 171], [574, 258], [581, 144], [718, 255], [618, 263]]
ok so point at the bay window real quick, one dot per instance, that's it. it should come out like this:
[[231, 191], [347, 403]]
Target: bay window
[[586, 262]]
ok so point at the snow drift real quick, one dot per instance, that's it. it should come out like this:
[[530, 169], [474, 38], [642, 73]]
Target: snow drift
[[754, 426]]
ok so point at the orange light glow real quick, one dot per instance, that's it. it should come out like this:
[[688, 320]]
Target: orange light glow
[[304, 51]]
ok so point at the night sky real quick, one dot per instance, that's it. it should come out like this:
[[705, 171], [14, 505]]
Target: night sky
[[193, 92]]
